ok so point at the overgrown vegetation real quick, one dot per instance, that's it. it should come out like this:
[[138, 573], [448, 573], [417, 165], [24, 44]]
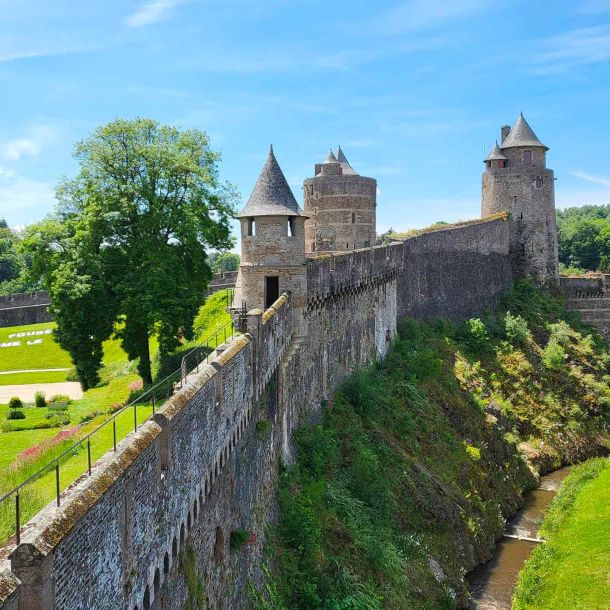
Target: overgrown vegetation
[[406, 484], [194, 583], [571, 569]]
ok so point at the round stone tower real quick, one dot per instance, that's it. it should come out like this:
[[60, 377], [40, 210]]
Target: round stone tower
[[272, 243], [340, 206], [516, 180]]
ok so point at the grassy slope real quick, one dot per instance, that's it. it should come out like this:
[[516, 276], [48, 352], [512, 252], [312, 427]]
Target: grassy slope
[[213, 315], [571, 570], [406, 484]]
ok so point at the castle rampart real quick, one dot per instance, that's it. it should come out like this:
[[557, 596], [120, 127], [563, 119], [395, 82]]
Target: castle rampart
[[205, 465]]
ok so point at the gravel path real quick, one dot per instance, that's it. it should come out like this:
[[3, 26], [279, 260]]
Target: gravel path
[[26, 392]]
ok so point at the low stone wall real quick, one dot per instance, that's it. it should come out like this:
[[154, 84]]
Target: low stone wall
[[222, 281], [26, 308]]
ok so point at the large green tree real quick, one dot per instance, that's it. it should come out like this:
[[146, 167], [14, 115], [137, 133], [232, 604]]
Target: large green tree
[[126, 249], [583, 236], [224, 261]]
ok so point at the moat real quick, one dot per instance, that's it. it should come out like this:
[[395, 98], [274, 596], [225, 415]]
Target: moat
[[492, 583]]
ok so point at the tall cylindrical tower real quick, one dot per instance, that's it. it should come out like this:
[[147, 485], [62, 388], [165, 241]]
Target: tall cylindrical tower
[[341, 207], [516, 180], [272, 243]]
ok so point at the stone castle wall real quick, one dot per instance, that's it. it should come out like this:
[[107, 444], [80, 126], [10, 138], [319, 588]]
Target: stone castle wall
[[166, 503], [590, 296], [25, 308]]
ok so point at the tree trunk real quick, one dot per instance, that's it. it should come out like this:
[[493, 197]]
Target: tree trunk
[[144, 353]]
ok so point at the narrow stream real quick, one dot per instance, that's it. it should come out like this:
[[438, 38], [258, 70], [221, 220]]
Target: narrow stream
[[492, 583]]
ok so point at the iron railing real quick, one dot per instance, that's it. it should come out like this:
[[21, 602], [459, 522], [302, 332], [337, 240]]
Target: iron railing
[[152, 397]]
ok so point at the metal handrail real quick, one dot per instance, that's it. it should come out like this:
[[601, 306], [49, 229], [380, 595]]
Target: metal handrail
[[168, 382]]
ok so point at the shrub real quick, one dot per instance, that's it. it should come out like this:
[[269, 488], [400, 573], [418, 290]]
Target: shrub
[[474, 335], [15, 414], [39, 400], [516, 329], [136, 385], [15, 403], [43, 425], [61, 398], [553, 356], [263, 427], [115, 406], [58, 406], [90, 416], [72, 376], [238, 539], [57, 419], [559, 333]]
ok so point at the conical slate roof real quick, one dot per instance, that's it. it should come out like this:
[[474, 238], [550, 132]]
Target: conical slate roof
[[347, 168], [271, 195], [495, 154], [522, 135], [331, 157]]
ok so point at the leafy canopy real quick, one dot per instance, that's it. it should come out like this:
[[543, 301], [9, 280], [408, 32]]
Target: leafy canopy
[[126, 250]]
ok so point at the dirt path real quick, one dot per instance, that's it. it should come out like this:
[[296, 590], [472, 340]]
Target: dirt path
[[26, 391]]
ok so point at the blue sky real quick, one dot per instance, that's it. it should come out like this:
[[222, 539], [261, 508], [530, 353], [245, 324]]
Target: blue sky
[[415, 91]]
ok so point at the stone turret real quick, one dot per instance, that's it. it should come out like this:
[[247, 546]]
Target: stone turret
[[272, 243], [341, 207], [516, 180]]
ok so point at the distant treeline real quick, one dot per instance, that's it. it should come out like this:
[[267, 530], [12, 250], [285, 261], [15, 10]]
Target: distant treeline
[[584, 238]]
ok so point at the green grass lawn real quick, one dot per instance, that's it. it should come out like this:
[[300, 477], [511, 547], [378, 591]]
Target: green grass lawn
[[572, 570], [33, 352]]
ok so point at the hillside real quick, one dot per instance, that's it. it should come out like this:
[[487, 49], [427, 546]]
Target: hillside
[[406, 484]]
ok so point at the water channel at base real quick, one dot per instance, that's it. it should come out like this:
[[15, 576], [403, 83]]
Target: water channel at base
[[492, 583]]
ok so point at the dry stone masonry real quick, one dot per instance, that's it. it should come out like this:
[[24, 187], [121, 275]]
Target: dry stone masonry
[[182, 507]]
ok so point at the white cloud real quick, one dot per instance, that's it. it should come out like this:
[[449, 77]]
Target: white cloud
[[151, 12], [49, 50], [6, 172], [22, 195], [591, 178], [30, 144], [416, 15], [572, 49]]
